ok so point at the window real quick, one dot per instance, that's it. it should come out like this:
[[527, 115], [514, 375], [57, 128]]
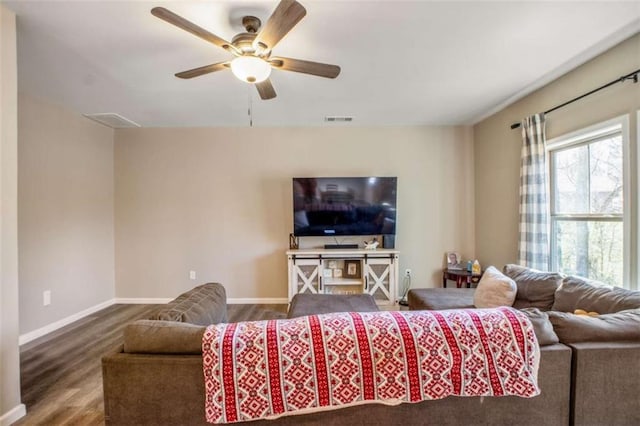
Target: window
[[588, 179]]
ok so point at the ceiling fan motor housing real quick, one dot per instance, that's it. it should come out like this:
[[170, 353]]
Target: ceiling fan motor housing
[[244, 42]]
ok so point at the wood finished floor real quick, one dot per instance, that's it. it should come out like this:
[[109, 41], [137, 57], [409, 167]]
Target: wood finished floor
[[61, 372]]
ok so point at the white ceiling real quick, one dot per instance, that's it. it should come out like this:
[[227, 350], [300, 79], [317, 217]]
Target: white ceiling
[[403, 62]]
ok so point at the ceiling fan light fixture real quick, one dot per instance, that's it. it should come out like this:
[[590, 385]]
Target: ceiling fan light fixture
[[250, 69]]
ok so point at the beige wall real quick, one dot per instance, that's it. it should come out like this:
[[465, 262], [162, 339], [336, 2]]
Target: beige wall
[[66, 236], [497, 147], [10, 407], [219, 201]]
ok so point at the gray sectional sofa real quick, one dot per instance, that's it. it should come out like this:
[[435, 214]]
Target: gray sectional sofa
[[605, 350], [156, 377]]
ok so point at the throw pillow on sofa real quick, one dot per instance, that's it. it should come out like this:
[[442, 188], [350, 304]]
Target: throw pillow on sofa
[[620, 326], [494, 289], [541, 326], [581, 293], [536, 289]]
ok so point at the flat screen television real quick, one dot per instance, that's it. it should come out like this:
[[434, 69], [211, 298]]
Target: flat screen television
[[330, 206]]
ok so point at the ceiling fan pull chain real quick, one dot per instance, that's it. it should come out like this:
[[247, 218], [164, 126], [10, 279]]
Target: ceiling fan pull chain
[[250, 109]]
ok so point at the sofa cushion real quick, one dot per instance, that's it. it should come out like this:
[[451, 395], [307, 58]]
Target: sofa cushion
[[541, 326], [438, 299], [163, 337], [619, 326], [202, 305], [580, 293], [312, 304], [494, 289], [536, 289]]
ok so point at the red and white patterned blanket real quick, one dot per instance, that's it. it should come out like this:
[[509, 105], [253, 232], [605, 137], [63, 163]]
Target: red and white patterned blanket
[[267, 369]]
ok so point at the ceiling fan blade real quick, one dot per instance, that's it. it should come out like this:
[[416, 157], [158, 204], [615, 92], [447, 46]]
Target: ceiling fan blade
[[266, 90], [180, 22], [282, 20], [203, 70], [306, 67]]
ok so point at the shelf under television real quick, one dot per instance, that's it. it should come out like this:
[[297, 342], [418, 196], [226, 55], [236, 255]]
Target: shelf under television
[[344, 281]]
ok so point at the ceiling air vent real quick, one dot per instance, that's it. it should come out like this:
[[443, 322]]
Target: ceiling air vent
[[338, 119], [113, 120]]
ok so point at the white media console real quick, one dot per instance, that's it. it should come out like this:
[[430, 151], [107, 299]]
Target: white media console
[[344, 271]]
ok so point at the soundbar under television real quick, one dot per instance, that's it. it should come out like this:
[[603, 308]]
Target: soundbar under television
[[333, 206]]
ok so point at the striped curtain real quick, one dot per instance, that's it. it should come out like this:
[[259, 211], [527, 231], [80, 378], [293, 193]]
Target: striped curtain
[[533, 245]]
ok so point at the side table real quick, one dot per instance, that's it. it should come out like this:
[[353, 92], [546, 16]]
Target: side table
[[460, 276]]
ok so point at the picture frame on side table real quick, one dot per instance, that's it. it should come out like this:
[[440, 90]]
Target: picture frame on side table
[[352, 268], [453, 260]]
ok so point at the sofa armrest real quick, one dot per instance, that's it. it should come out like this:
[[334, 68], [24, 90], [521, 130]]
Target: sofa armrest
[[606, 383], [163, 337]]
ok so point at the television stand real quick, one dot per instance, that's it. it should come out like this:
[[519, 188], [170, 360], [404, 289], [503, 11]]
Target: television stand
[[340, 246], [346, 271]]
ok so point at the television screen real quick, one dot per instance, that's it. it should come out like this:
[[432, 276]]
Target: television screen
[[329, 206]]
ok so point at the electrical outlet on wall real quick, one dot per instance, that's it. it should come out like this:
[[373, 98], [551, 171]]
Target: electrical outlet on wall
[[192, 275], [46, 298]]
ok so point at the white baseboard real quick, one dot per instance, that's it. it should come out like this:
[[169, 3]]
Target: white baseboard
[[257, 300], [13, 415], [32, 335], [142, 300]]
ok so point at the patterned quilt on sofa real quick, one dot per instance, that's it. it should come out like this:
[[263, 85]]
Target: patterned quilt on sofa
[[267, 369]]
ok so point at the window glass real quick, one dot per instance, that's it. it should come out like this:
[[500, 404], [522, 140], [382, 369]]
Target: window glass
[[590, 249], [587, 208], [588, 178]]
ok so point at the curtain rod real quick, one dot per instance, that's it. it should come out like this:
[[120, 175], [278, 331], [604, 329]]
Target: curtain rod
[[631, 76]]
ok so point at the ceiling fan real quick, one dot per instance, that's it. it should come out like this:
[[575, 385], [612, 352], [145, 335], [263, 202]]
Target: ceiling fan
[[252, 49]]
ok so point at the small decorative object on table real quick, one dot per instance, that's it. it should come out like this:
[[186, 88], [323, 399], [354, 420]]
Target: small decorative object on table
[[337, 273], [371, 245], [453, 261], [293, 242], [475, 268], [352, 268]]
